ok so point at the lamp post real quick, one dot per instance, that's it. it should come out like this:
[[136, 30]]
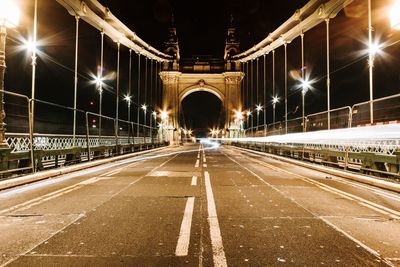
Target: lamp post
[[128, 100], [99, 87], [9, 18], [248, 114], [153, 116], [275, 100], [258, 109], [144, 108], [305, 85]]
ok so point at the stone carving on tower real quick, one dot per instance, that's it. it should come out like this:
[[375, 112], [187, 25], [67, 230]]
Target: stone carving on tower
[[172, 48], [231, 48]]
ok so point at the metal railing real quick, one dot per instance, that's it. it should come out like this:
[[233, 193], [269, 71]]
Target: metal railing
[[56, 144], [386, 110]]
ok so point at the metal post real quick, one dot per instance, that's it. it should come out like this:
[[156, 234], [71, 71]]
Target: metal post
[[156, 85], [370, 64], [129, 95], [151, 126], [101, 77], [34, 65], [328, 79], [144, 122], [3, 36], [117, 89], [145, 81], [87, 136], [264, 96], [247, 86], [251, 93], [273, 85], [303, 91], [138, 99], [75, 75], [257, 82], [286, 94], [151, 83], [31, 148]]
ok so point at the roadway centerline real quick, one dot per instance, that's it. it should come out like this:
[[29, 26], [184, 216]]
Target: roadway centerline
[[182, 247], [215, 232]]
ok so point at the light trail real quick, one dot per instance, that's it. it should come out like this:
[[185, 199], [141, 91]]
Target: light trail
[[368, 135]]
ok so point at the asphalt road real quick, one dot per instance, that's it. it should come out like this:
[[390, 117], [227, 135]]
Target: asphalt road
[[199, 206]]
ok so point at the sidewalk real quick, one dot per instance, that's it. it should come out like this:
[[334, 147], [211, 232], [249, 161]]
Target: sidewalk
[[34, 177]]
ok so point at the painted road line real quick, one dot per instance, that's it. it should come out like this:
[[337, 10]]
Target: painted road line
[[182, 247], [372, 251], [374, 206], [63, 191], [194, 180], [215, 232], [197, 163]]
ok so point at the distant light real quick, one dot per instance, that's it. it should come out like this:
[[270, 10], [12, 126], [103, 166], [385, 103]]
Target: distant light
[[248, 113], [154, 114], [99, 81], [144, 107], [164, 115], [127, 98], [275, 100], [394, 15], [259, 108], [375, 48], [9, 14], [239, 115], [30, 46], [305, 85]]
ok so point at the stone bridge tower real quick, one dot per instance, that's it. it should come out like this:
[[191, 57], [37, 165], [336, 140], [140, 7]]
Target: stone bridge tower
[[221, 78]]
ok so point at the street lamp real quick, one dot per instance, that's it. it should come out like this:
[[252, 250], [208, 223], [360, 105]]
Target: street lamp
[[275, 100], [128, 100], [258, 109], [305, 86], [144, 108], [153, 115], [248, 113], [395, 16], [99, 86], [9, 18]]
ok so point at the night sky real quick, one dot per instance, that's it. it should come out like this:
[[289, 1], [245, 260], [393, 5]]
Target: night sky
[[201, 27]]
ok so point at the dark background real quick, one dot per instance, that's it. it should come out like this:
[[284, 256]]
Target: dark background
[[201, 27]]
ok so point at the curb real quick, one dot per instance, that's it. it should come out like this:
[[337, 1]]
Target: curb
[[351, 176], [30, 178]]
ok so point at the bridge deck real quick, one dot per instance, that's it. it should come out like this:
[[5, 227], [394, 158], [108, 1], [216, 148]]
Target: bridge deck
[[185, 206]]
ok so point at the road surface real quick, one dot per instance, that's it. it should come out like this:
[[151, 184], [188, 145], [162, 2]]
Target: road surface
[[199, 205]]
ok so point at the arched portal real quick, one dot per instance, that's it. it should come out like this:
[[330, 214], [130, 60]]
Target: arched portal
[[201, 110], [177, 86]]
